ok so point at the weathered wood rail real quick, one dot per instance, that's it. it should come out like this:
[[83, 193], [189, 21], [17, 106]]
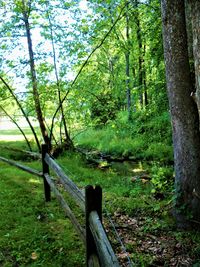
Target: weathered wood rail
[[22, 167], [99, 251]]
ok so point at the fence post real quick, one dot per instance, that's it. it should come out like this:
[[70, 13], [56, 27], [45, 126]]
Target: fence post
[[45, 169], [93, 202]]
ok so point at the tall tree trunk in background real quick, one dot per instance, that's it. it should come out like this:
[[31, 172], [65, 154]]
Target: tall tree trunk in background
[[140, 50], [184, 113], [144, 79], [67, 141], [127, 57], [26, 10], [195, 16]]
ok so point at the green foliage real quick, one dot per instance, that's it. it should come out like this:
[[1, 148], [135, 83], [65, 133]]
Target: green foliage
[[100, 90], [104, 108], [159, 151], [161, 178], [146, 136], [110, 141]]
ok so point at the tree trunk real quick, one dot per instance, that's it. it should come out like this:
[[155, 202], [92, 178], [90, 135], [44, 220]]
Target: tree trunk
[[144, 80], [128, 90], [140, 57], [195, 15], [67, 140], [38, 109], [184, 113], [127, 57]]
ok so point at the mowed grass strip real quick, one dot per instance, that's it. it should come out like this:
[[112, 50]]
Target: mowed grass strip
[[32, 232]]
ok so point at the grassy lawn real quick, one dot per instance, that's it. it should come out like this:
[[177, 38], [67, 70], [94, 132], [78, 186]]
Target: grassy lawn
[[13, 135], [35, 233], [32, 232]]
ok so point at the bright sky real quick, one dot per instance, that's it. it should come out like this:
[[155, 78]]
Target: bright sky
[[83, 5]]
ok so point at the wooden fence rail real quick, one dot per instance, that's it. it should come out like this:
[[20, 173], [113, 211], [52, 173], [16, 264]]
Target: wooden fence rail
[[99, 252], [69, 186], [66, 208], [22, 167]]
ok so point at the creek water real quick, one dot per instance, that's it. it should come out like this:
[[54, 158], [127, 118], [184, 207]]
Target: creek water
[[130, 168]]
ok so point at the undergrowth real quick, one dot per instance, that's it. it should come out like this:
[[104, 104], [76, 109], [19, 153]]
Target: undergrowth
[[144, 137], [35, 233]]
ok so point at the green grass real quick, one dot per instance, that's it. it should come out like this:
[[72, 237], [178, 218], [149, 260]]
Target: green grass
[[109, 141], [145, 137], [119, 189], [35, 233], [15, 137], [16, 131], [32, 232], [132, 197]]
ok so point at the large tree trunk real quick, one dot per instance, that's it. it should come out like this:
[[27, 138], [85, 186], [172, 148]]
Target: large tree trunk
[[195, 15], [184, 113]]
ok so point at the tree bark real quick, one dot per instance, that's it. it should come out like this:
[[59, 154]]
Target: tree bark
[[195, 16], [184, 113]]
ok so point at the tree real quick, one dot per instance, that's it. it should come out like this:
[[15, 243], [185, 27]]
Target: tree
[[127, 59], [67, 140], [184, 113], [25, 19], [195, 14], [140, 50], [26, 9], [113, 46]]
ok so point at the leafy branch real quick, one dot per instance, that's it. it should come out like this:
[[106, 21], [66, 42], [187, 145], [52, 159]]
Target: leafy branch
[[120, 16]]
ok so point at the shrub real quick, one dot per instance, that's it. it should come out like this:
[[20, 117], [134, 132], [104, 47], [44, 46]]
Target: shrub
[[161, 178], [159, 151]]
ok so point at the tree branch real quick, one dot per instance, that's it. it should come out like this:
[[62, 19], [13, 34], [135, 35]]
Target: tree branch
[[20, 129], [22, 110], [84, 64]]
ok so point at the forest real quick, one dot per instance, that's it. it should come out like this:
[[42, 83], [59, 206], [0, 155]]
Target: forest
[[112, 88]]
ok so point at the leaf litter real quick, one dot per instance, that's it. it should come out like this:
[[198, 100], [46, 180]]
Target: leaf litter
[[149, 247]]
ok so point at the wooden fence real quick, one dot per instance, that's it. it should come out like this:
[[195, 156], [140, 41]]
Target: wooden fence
[[99, 251]]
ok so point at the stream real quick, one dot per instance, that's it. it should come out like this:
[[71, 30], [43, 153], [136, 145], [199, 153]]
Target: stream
[[128, 167], [122, 166]]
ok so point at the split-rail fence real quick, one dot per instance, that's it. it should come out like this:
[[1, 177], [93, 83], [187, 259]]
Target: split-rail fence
[[99, 251]]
